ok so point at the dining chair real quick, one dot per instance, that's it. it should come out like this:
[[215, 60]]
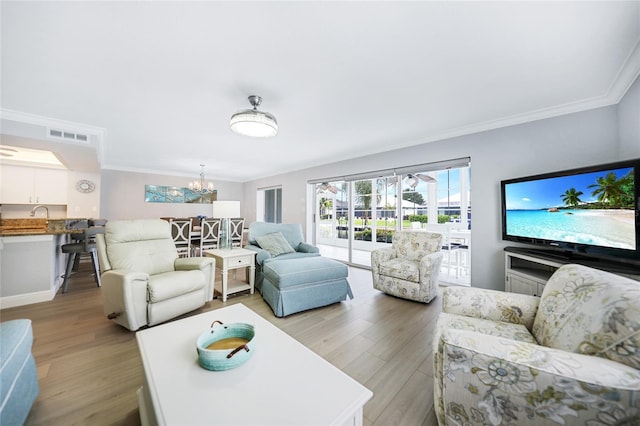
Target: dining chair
[[181, 233], [451, 249], [237, 227], [210, 234]]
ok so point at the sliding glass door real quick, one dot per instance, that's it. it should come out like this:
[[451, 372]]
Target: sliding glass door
[[358, 214], [332, 219], [353, 218]]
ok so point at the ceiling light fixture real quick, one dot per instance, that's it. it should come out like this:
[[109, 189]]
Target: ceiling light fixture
[[254, 123], [411, 179], [326, 186], [199, 185]]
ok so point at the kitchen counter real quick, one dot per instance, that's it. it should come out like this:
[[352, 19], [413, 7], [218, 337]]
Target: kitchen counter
[[21, 227], [31, 267], [31, 260]]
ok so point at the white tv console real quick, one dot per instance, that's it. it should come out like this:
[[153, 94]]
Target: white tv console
[[526, 271]]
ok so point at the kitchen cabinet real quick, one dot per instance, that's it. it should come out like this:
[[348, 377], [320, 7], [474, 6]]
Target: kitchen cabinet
[[28, 185]]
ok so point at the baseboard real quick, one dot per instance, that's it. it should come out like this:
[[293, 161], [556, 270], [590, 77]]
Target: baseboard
[[26, 299]]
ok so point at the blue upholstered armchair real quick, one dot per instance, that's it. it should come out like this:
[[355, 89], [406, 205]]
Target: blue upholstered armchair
[[293, 235]]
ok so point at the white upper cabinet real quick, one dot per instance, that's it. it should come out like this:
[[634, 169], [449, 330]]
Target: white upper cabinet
[[27, 185]]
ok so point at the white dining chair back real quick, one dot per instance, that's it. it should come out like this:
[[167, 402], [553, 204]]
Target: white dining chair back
[[210, 234], [237, 226], [181, 233]]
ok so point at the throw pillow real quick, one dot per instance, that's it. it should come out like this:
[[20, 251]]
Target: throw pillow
[[276, 244]]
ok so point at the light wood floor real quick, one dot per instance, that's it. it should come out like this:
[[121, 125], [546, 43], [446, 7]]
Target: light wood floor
[[89, 368]]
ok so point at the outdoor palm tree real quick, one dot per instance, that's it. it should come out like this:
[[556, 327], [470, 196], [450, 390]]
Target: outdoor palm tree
[[364, 197], [413, 197], [571, 197], [326, 205]]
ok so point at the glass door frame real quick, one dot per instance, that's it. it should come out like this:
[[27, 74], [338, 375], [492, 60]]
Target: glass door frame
[[399, 175]]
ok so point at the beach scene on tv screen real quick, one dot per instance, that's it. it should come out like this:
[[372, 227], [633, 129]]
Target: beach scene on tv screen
[[595, 208]]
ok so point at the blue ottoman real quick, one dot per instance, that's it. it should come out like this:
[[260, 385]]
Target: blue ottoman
[[18, 376], [295, 285]]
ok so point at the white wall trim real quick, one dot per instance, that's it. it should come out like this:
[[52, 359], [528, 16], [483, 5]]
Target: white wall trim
[[622, 82], [190, 176], [26, 299], [626, 76]]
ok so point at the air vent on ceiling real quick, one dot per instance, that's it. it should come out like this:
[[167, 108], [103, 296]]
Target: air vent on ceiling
[[68, 136]]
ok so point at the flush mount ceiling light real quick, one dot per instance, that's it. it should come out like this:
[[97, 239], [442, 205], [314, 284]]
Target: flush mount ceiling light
[[254, 123]]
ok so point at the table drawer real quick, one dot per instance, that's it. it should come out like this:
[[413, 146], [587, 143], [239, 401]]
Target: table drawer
[[238, 262]]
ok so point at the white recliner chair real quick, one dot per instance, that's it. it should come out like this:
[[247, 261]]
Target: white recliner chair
[[144, 282]]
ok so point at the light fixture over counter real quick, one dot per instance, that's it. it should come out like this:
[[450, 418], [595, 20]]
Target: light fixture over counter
[[254, 123]]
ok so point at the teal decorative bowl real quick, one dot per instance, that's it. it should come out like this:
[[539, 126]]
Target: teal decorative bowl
[[225, 346]]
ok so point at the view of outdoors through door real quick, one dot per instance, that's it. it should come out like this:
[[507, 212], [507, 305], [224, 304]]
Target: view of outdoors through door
[[354, 217]]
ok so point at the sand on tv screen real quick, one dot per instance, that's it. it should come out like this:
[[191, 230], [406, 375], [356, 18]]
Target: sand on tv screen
[[593, 208]]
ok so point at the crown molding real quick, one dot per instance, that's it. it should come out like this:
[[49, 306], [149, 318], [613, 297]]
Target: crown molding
[[625, 78], [165, 173], [627, 74]]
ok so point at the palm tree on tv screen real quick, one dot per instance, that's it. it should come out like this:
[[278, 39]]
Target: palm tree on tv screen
[[609, 189], [571, 197]]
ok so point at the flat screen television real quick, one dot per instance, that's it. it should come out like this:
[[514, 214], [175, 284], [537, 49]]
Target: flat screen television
[[591, 211]]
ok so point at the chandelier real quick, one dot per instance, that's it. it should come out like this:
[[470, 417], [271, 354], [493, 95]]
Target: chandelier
[[254, 123], [199, 185]]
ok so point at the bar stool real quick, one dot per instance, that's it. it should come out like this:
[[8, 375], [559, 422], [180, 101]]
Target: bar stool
[[84, 244]]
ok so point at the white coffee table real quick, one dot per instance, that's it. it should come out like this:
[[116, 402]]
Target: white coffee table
[[283, 383], [228, 259]]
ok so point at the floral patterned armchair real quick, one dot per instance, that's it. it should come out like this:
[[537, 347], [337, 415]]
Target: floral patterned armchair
[[571, 356], [410, 267]]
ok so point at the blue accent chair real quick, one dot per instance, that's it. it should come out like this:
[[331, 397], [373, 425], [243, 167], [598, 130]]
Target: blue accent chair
[[299, 280], [292, 232], [18, 376]]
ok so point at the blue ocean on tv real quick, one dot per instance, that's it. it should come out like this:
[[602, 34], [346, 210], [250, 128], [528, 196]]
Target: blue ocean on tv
[[594, 208], [607, 228]]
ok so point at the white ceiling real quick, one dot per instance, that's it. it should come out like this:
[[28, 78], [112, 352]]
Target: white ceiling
[[158, 81]]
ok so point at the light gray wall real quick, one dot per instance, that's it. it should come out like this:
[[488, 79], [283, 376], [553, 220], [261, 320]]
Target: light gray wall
[[587, 138], [569, 141], [629, 122], [122, 196]]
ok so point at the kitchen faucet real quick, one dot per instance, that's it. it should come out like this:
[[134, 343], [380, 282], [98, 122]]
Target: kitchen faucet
[[33, 210]]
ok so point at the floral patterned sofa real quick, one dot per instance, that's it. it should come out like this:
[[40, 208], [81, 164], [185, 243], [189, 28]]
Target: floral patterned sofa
[[410, 268], [571, 356]]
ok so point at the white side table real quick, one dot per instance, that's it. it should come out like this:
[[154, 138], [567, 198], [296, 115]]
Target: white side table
[[236, 258]]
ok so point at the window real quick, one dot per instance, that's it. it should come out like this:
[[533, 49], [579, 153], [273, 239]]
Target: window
[[270, 205]]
